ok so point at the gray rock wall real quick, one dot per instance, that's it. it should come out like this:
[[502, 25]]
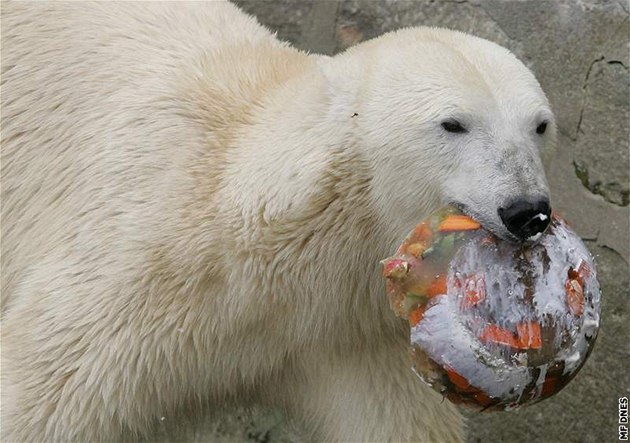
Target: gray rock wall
[[579, 50]]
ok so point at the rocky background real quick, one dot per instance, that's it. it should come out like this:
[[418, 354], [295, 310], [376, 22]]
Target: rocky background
[[579, 50]]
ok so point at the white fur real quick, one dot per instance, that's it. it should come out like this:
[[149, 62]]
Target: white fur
[[192, 212]]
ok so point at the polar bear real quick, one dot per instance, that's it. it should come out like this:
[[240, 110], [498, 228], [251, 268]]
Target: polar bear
[[194, 212]]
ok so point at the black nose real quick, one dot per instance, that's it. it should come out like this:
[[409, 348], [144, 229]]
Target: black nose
[[525, 218]]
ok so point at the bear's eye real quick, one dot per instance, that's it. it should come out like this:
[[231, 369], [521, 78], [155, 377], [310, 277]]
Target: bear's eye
[[453, 126], [541, 128]]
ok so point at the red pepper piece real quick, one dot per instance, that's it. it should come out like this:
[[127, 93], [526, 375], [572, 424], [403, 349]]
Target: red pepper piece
[[575, 296], [395, 268], [550, 386], [474, 290]]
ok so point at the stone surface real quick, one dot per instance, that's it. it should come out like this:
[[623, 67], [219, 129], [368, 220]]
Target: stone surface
[[579, 50]]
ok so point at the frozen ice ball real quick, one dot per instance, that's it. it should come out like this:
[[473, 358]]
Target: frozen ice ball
[[494, 324]]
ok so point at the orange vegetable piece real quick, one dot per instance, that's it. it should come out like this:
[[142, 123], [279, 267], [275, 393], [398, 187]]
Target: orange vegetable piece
[[497, 334], [575, 296], [456, 222], [529, 335], [458, 380], [438, 287], [417, 315]]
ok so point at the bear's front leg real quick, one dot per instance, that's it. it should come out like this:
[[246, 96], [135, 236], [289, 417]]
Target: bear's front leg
[[82, 362], [371, 394]]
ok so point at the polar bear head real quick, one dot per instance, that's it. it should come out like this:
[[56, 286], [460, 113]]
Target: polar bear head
[[445, 117]]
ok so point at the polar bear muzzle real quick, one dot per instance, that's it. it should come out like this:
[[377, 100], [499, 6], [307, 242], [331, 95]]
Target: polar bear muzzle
[[526, 218]]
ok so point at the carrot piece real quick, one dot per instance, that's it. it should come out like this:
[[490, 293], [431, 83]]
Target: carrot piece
[[458, 380], [575, 296], [497, 334], [529, 335], [522, 332], [417, 315], [458, 222], [535, 336], [438, 287]]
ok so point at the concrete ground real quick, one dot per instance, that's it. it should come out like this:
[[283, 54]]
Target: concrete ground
[[579, 50]]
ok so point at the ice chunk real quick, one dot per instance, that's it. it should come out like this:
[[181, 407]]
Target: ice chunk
[[494, 324]]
